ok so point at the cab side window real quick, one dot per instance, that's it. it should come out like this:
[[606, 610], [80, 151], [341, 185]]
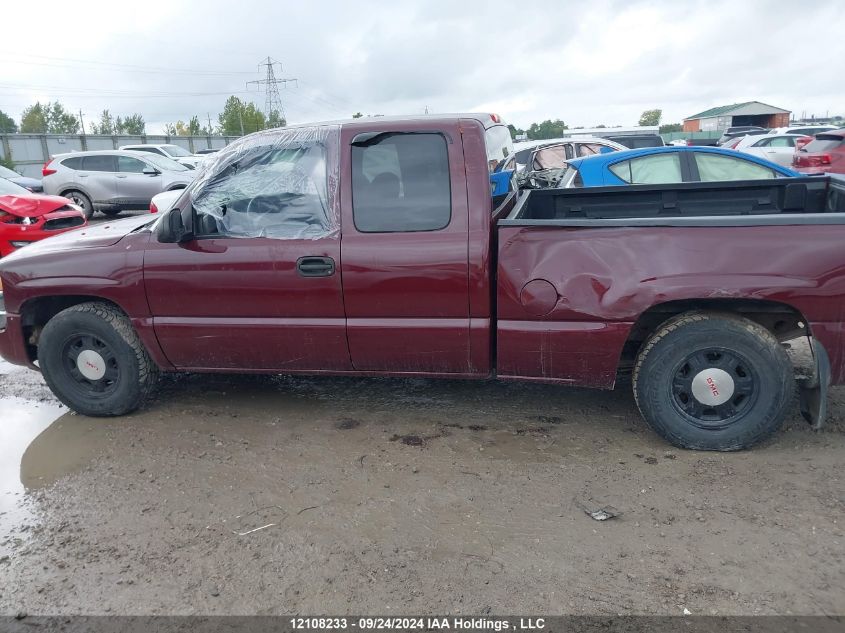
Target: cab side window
[[99, 163], [127, 164], [400, 183], [649, 170]]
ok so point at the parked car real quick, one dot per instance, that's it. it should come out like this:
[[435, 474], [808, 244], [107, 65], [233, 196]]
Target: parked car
[[32, 184], [637, 141], [823, 155], [804, 130], [740, 130], [168, 150], [165, 200], [536, 161], [27, 217], [680, 284], [778, 148], [112, 180], [663, 165]]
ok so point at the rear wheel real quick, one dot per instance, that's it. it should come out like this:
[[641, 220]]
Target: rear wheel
[[94, 362], [81, 200], [713, 382]]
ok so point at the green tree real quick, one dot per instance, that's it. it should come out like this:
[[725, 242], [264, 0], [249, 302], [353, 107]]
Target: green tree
[[106, 125], [134, 124], [240, 118], [8, 163], [671, 127], [546, 129], [515, 131], [651, 117], [357, 115], [60, 120], [7, 124], [34, 119], [276, 120]]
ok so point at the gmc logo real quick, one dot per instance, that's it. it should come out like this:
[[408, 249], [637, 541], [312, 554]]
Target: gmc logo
[[712, 384]]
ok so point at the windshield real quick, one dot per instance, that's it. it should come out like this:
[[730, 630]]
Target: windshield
[[175, 150], [8, 188], [499, 145], [165, 164], [5, 172]]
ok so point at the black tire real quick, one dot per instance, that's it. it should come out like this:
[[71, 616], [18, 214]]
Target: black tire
[[105, 335], [735, 409], [79, 198], [110, 212]]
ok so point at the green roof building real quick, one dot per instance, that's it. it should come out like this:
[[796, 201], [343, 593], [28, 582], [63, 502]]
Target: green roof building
[[747, 113]]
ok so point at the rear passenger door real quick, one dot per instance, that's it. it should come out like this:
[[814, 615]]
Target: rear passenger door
[[98, 178], [404, 250]]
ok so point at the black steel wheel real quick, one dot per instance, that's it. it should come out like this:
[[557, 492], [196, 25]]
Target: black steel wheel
[[713, 381], [92, 359]]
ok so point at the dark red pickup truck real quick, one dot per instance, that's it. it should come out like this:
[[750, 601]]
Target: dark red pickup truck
[[374, 247]]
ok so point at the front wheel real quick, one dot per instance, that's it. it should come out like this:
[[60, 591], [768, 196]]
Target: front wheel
[[92, 359], [713, 382]]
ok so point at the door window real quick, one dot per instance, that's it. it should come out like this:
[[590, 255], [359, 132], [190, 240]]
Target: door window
[[552, 157], [126, 164], [714, 168], [275, 191], [99, 163], [400, 183], [650, 170]]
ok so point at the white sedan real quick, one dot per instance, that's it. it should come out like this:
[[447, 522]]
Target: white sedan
[[778, 148]]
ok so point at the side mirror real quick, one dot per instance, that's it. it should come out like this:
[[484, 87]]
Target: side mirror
[[150, 171], [171, 229]]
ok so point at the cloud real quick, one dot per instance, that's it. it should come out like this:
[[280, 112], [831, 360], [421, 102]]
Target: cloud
[[603, 61]]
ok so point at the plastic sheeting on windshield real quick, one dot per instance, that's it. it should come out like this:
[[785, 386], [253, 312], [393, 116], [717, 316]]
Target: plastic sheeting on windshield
[[281, 184]]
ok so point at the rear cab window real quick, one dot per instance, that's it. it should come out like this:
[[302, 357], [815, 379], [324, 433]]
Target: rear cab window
[[401, 183], [824, 143]]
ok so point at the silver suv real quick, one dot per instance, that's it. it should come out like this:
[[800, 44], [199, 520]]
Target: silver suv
[[112, 180]]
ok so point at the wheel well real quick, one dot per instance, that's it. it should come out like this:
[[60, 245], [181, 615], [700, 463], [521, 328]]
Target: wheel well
[[35, 314], [782, 320]]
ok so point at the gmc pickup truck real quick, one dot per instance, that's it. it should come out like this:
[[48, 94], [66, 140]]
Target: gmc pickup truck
[[374, 247]]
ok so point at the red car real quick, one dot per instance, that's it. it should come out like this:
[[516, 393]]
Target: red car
[[28, 217], [823, 155]]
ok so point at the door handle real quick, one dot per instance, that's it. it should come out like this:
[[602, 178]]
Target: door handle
[[121, 176], [315, 266]]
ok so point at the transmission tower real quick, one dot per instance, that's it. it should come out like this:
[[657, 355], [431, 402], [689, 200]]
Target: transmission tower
[[272, 99]]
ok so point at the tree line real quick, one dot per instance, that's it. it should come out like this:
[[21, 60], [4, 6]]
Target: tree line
[[237, 118], [556, 128]]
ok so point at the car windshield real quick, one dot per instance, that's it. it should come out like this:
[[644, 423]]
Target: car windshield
[[5, 172], [175, 150], [165, 164], [8, 188]]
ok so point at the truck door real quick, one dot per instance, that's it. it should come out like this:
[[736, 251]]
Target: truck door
[[258, 288], [404, 249]]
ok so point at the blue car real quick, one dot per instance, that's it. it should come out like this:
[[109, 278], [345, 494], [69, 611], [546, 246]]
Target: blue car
[[665, 165]]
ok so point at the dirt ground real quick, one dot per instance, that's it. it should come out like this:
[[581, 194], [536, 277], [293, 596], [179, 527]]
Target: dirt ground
[[243, 495]]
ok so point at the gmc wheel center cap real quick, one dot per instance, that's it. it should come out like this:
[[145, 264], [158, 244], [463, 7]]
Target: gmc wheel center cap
[[712, 387], [91, 365]]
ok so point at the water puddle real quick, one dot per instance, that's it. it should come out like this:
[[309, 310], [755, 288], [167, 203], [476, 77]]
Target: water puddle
[[21, 421]]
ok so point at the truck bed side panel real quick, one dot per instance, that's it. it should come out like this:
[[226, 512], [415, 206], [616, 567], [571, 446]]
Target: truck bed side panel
[[610, 276]]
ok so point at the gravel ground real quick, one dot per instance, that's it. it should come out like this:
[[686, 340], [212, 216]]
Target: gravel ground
[[242, 495]]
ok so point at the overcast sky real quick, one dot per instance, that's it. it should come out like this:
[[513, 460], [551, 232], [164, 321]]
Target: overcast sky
[[588, 63]]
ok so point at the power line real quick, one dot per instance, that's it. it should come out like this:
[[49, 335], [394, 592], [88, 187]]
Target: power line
[[272, 98], [66, 61]]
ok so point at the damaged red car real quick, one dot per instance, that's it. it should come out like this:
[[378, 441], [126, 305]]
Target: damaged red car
[[27, 217]]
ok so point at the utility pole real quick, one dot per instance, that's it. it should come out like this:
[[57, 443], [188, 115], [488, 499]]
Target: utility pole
[[208, 114], [81, 122], [272, 99]]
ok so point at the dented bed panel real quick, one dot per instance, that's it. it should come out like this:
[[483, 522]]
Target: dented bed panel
[[614, 274]]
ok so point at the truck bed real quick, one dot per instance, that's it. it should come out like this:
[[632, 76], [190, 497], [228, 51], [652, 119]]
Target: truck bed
[[809, 200]]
